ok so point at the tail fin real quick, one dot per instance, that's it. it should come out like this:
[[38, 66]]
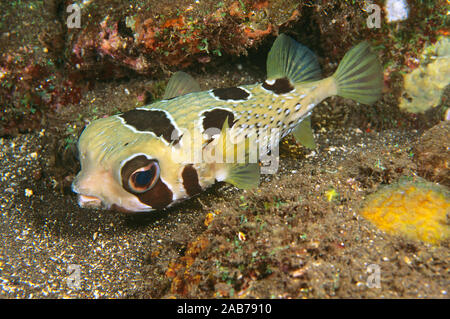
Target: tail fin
[[359, 76], [288, 58]]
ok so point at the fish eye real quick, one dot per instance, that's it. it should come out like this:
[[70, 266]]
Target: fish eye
[[144, 178]]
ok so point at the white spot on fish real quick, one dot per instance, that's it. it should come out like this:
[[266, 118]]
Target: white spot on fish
[[240, 131]]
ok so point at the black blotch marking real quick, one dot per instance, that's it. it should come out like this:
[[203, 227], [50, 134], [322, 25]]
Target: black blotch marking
[[233, 93], [216, 118], [280, 86], [190, 180], [158, 197], [153, 121]]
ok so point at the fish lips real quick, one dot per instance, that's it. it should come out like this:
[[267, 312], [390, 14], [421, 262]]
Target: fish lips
[[86, 201]]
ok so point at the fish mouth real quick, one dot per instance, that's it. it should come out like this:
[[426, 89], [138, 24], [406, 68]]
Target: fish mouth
[[91, 201], [86, 201]]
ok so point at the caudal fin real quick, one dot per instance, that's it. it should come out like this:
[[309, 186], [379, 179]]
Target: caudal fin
[[359, 76]]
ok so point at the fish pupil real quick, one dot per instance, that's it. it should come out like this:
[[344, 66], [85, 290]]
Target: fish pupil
[[143, 178]]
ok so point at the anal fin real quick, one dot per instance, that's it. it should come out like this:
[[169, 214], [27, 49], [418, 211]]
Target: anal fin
[[303, 133]]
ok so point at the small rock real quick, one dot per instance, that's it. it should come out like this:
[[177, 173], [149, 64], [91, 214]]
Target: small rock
[[28, 192]]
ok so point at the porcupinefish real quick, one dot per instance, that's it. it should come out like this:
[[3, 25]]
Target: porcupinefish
[[145, 159]]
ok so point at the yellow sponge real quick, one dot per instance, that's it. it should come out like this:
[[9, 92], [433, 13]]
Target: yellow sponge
[[417, 210], [425, 85]]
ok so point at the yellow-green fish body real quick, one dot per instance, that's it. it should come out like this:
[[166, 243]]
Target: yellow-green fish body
[[154, 156]]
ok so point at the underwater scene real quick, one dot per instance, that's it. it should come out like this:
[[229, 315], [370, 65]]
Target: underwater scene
[[275, 149]]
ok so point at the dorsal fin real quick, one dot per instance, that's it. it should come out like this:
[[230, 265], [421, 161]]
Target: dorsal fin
[[179, 84], [288, 58]]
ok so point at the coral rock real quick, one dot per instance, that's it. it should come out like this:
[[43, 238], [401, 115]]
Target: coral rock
[[432, 154]]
